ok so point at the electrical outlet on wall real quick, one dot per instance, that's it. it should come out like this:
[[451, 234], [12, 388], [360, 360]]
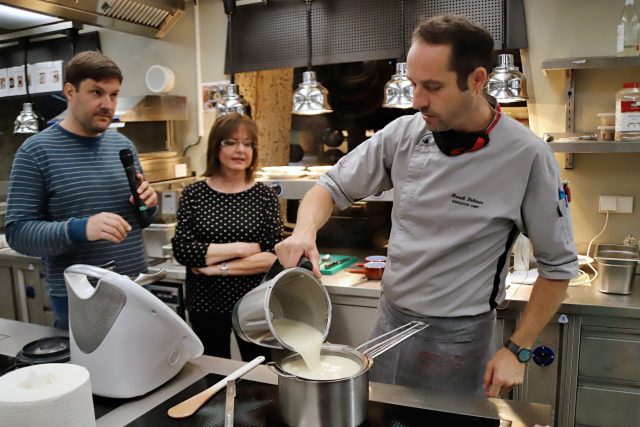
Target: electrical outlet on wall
[[616, 204]]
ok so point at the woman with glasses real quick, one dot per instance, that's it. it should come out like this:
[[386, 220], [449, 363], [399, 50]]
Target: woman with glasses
[[228, 225]]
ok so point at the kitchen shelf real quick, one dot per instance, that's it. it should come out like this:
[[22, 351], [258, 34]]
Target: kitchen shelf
[[595, 147], [568, 65], [590, 62]]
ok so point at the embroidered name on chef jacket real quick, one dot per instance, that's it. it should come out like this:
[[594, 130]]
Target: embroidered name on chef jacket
[[463, 200]]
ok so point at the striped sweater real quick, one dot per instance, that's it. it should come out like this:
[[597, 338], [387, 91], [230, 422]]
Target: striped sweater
[[57, 182]]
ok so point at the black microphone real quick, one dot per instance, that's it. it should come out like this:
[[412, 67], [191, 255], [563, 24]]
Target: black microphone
[[126, 157]]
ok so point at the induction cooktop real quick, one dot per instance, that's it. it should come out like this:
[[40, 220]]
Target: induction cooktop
[[256, 405]]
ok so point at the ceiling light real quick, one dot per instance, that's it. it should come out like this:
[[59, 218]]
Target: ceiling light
[[310, 98], [232, 101], [27, 121], [398, 92], [506, 82]]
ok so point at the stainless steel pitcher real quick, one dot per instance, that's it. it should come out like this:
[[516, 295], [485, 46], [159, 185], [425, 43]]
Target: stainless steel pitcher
[[295, 294]]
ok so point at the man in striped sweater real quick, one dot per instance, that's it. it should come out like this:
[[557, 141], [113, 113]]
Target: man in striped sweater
[[69, 200]]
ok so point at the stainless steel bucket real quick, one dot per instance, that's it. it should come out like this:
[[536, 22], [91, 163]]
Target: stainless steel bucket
[[335, 403], [295, 294]]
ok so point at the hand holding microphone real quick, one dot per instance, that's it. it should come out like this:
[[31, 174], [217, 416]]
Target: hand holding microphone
[[142, 209]]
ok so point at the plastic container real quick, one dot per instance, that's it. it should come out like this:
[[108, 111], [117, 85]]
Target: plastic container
[[606, 133], [628, 112], [607, 119], [160, 79], [616, 267]]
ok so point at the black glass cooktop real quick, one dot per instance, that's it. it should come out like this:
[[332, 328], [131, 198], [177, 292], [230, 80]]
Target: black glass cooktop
[[7, 364], [256, 405]]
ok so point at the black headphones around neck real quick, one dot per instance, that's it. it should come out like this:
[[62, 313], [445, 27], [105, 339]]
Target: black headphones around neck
[[454, 143]]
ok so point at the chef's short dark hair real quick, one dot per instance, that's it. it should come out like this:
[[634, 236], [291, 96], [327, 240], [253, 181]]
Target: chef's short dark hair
[[222, 129], [471, 44], [93, 65]]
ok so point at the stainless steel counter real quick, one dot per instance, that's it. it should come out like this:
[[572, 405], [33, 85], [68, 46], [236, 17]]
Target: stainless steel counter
[[8, 254], [583, 300], [14, 335], [587, 300]]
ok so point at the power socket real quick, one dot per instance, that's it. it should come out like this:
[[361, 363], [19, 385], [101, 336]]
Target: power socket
[[616, 204]]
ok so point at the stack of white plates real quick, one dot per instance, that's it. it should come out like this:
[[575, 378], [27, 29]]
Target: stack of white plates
[[283, 172], [316, 171]]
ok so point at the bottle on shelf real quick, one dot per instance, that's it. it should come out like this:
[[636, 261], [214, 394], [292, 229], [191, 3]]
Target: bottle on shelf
[[628, 31], [628, 112]]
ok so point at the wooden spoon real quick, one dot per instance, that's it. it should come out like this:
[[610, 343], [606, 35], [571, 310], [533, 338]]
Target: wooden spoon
[[191, 405]]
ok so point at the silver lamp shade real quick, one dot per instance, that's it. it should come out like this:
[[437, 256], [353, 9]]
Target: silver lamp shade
[[398, 92], [27, 121], [506, 83], [231, 103], [310, 97]]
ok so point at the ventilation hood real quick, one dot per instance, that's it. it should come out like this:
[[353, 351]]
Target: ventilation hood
[[149, 18]]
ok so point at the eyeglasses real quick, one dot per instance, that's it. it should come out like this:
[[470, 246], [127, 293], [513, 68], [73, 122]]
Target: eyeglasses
[[233, 143]]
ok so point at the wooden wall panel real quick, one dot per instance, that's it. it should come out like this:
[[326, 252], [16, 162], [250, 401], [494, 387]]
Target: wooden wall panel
[[269, 93]]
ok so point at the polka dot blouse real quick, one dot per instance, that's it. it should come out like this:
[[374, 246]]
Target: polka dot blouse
[[208, 216]]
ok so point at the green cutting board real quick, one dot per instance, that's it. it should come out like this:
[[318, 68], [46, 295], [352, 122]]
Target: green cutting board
[[333, 270]]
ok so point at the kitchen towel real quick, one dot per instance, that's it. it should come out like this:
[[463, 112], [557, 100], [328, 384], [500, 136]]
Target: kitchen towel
[[50, 394]]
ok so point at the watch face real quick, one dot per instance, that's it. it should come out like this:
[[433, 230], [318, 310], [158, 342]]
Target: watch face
[[524, 355]]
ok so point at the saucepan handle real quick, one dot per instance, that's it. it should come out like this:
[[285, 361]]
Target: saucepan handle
[[378, 345]]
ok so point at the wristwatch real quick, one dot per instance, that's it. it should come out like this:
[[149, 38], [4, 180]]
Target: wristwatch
[[522, 353], [224, 269]]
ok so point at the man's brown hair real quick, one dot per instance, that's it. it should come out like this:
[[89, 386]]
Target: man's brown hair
[[471, 44], [90, 65], [222, 129]]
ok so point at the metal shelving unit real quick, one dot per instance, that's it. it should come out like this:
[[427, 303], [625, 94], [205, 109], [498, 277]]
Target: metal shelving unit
[[590, 62], [568, 65], [595, 147]]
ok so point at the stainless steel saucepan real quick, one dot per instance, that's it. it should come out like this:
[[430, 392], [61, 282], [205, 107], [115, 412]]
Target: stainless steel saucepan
[[341, 402]]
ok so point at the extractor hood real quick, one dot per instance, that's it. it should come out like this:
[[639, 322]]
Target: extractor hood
[[149, 18]]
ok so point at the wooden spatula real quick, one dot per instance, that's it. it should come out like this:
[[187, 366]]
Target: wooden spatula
[[191, 405]]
